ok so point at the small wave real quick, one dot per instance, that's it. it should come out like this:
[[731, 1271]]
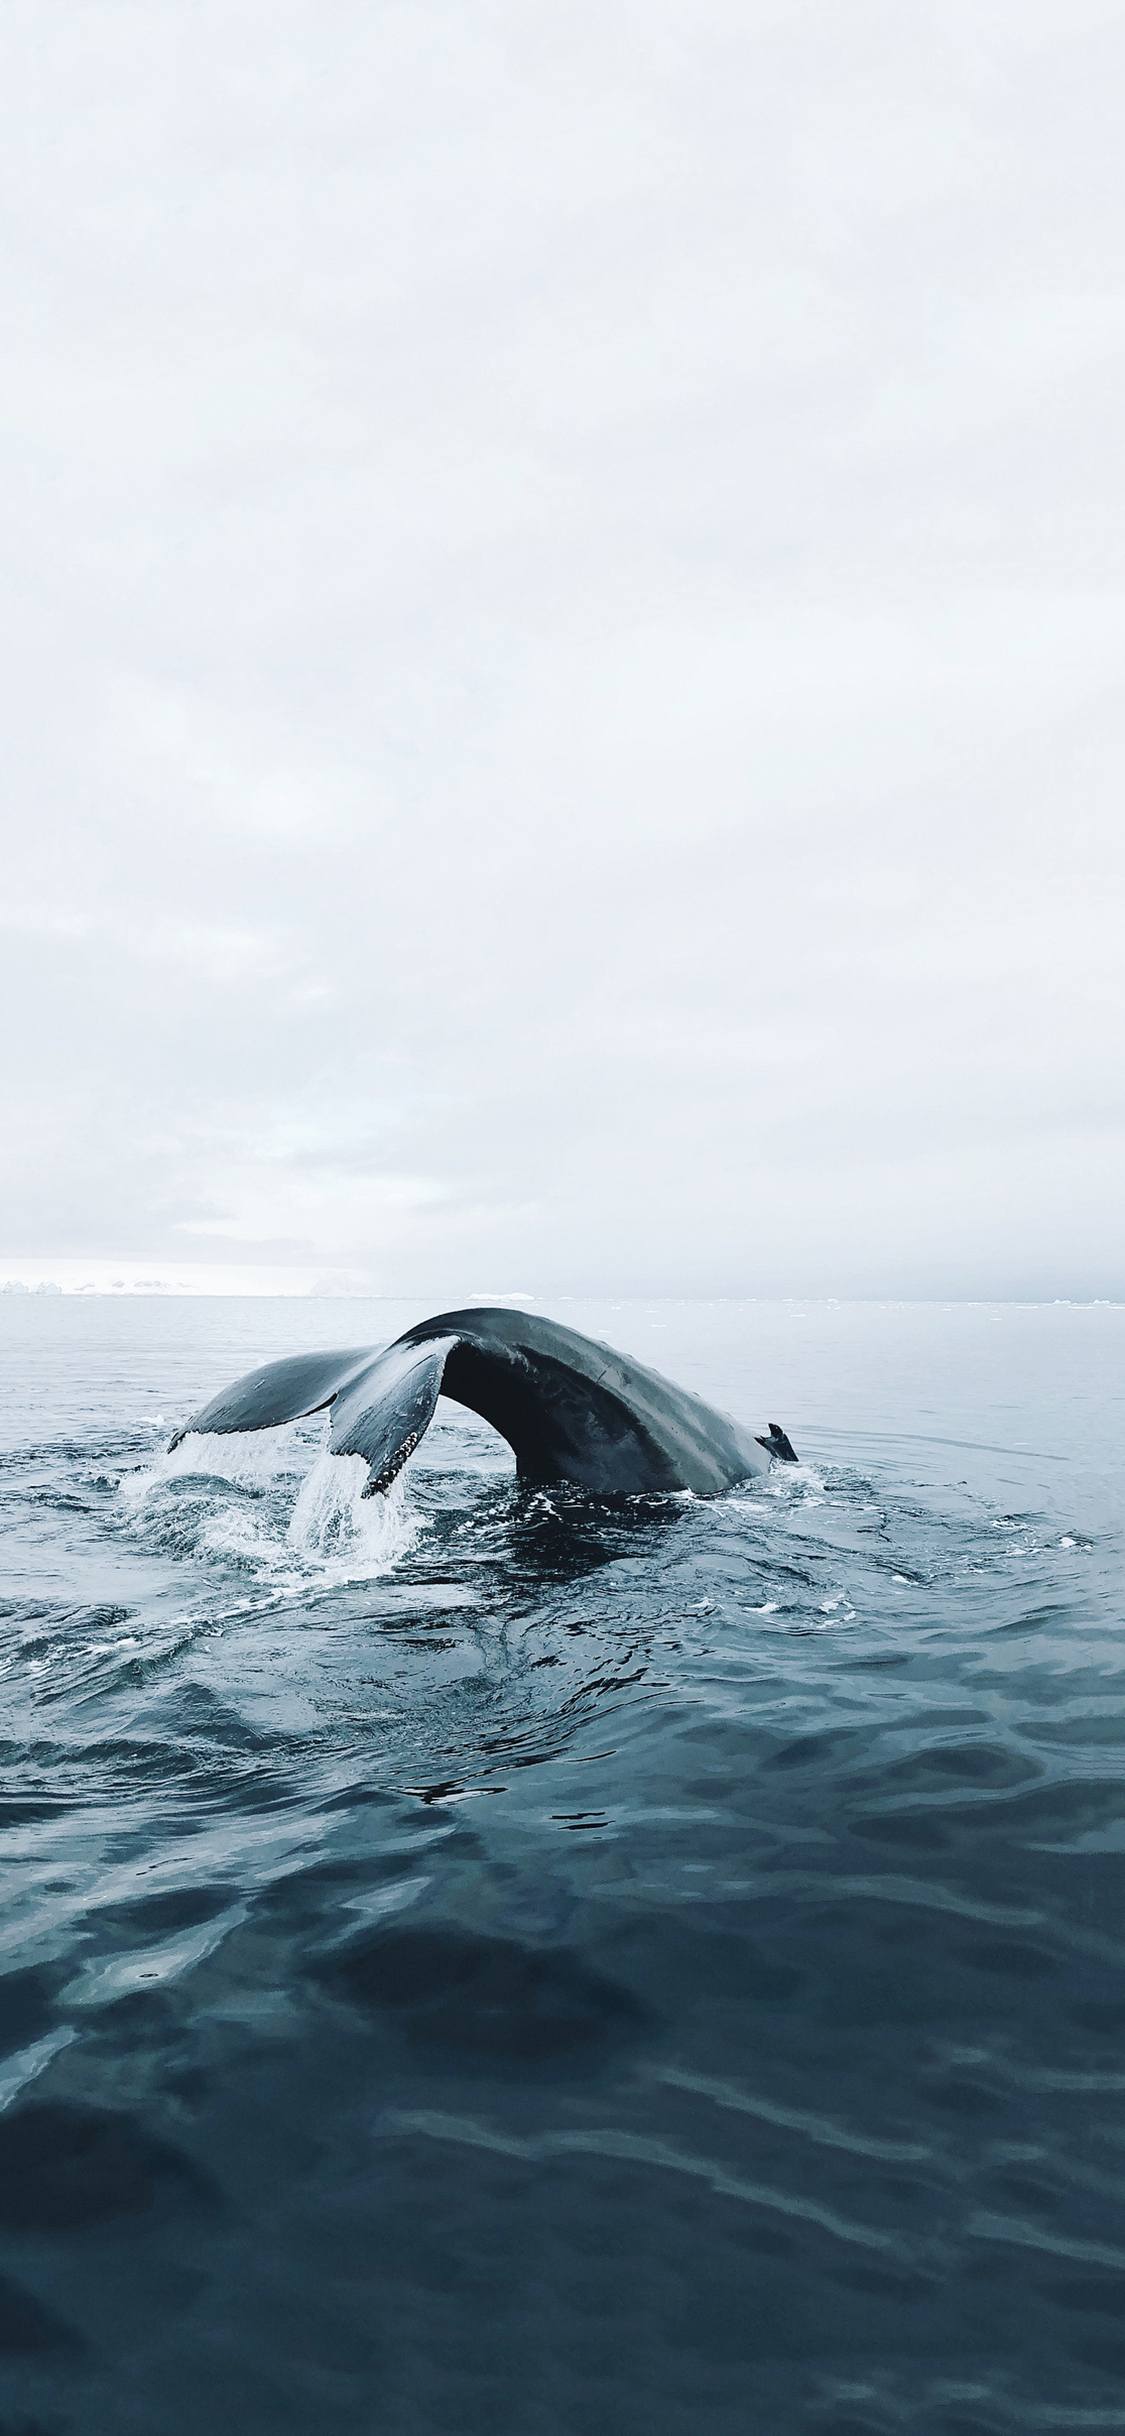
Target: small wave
[[793, 1484]]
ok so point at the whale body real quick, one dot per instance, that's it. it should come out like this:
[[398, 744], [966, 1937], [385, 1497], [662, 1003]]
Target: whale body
[[570, 1408]]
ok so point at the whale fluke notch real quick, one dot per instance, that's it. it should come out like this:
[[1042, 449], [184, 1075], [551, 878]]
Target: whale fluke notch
[[570, 1408]]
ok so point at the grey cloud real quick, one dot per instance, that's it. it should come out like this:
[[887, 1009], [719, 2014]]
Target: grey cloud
[[563, 643]]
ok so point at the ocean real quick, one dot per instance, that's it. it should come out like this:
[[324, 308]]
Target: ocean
[[494, 1960]]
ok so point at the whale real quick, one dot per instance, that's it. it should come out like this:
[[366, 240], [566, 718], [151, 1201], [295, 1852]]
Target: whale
[[571, 1409]]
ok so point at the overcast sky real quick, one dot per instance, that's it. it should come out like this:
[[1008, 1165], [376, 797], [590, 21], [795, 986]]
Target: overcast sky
[[564, 642]]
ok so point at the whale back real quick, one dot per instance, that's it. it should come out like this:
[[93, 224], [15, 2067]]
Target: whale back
[[573, 1409]]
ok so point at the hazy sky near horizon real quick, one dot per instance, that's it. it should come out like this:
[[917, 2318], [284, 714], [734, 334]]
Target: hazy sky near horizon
[[564, 639]]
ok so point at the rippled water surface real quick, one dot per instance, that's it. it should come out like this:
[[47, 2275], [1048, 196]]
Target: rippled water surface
[[487, 1960]]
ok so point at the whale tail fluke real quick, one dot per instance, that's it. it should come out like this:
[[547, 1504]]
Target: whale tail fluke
[[570, 1409], [383, 1412], [280, 1391]]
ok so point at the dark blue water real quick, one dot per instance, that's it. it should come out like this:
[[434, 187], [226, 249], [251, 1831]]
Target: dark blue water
[[507, 1964]]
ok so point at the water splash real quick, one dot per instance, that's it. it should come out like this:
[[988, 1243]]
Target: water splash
[[249, 1459], [334, 1522], [252, 1500]]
